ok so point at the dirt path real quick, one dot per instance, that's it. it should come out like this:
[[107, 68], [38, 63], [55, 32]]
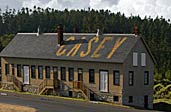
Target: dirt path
[[15, 108]]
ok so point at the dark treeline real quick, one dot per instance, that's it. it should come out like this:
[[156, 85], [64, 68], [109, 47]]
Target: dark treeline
[[157, 32]]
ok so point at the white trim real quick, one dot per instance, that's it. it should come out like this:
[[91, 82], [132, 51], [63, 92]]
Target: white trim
[[108, 34]]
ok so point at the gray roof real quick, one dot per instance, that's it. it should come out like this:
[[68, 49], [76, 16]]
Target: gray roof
[[105, 48]]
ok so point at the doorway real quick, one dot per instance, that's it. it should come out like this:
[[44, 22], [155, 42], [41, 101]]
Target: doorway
[[80, 74], [146, 101], [103, 82], [26, 75]]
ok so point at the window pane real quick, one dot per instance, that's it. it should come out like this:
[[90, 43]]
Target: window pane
[[40, 72], [146, 78], [63, 73], [18, 70], [6, 69], [130, 99], [13, 72], [116, 78], [143, 59], [115, 98], [47, 68], [135, 59], [80, 74], [55, 72], [91, 76], [131, 78], [71, 74], [33, 71]]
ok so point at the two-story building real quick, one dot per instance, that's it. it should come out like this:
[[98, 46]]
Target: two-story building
[[109, 67]]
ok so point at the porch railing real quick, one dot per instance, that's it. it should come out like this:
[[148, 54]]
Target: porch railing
[[48, 83], [80, 85], [17, 83]]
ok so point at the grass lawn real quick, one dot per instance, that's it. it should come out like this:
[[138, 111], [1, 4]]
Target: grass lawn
[[15, 108]]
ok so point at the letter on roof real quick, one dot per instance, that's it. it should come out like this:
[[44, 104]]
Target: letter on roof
[[75, 49], [101, 46], [61, 51], [116, 46], [85, 53]]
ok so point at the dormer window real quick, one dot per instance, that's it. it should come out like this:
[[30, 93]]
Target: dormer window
[[135, 59], [143, 59]]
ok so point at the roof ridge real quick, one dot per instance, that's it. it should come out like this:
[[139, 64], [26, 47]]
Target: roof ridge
[[106, 34]]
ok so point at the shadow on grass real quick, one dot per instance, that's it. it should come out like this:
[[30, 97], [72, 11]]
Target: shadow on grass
[[162, 106]]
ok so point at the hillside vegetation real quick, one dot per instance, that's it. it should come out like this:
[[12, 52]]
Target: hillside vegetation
[[157, 32]]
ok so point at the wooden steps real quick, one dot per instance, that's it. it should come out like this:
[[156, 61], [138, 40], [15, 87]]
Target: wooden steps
[[47, 84], [81, 87]]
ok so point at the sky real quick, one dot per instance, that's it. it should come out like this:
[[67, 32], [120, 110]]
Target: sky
[[142, 8]]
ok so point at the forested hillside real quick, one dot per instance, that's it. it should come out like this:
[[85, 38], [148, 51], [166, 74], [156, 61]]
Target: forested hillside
[[157, 32]]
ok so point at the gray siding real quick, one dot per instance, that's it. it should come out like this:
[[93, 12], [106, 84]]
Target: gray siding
[[138, 90]]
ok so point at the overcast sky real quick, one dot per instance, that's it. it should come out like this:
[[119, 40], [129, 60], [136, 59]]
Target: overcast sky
[[151, 8]]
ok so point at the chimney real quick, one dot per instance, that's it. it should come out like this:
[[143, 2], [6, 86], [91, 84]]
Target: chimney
[[98, 33], [38, 31], [75, 30], [60, 35], [136, 30]]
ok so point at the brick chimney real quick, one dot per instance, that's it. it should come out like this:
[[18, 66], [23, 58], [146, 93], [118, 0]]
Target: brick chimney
[[75, 30], [136, 30], [60, 35]]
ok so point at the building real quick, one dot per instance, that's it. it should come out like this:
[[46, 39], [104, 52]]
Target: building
[[110, 67]]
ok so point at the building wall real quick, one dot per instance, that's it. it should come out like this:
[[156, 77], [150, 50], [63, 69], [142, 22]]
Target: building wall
[[113, 90], [138, 90]]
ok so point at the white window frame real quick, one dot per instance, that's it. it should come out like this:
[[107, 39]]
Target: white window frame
[[26, 75], [103, 86], [135, 59], [143, 59]]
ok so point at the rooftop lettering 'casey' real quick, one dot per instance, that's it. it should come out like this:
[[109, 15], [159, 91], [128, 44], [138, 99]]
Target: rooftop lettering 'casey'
[[72, 51], [73, 46]]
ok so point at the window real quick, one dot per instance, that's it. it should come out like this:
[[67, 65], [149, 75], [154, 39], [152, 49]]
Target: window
[[115, 98], [18, 70], [33, 71], [91, 76], [63, 73], [131, 78], [130, 99], [143, 59], [55, 72], [146, 78], [47, 70], [135, 59], [80, 74], [71, 74], [13, 72], [40, 72], [6, 69], [116, 78], [103, 81]]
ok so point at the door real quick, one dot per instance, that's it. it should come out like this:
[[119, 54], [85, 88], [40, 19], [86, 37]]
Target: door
[[55, 73], [26, 78], [80, 74], [103, 81], [146, 101]]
